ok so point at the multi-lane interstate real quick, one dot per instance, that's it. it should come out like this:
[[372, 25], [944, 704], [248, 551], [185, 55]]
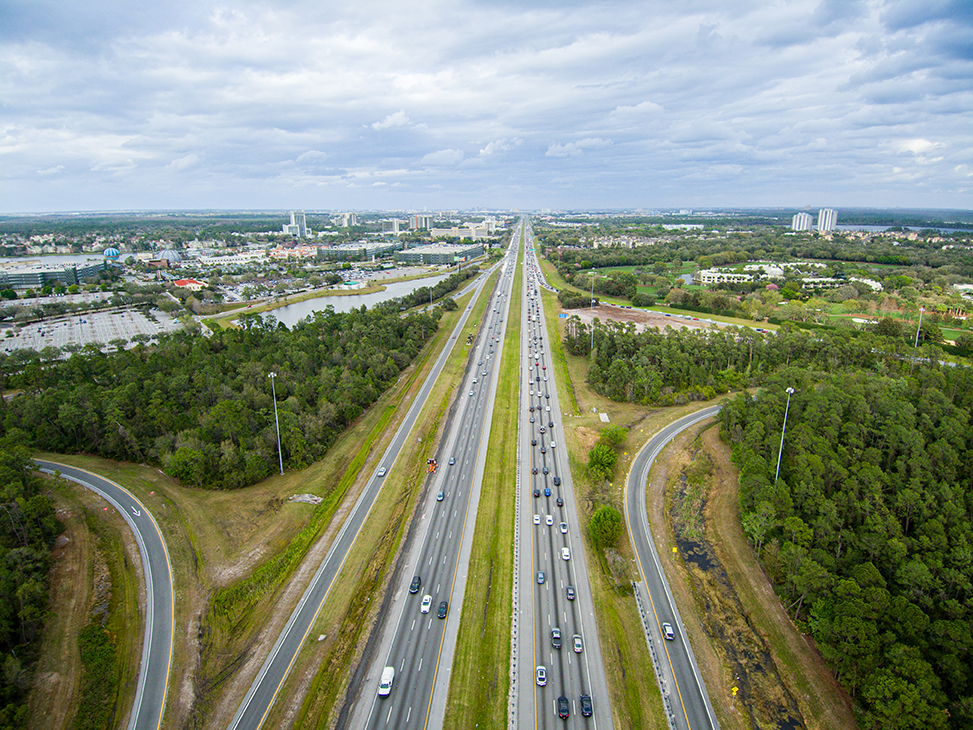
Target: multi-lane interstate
[[419, 634], [556, 624]]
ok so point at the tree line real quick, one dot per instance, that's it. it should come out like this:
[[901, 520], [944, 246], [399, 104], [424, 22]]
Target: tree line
[[867, 533], [202, 407], [28, 528]]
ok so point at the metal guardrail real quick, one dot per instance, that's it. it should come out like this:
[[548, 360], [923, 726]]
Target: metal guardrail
[[636, 589]]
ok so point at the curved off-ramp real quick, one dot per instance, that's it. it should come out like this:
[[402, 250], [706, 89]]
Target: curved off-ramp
[[153, 682]]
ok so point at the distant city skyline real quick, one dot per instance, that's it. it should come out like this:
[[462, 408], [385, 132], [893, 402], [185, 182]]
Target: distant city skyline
[[808, 104]]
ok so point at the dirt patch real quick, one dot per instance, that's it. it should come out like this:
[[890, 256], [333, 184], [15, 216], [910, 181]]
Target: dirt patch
[[641, 318]]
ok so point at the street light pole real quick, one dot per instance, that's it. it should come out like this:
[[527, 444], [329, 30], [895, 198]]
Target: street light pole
[[921, 310], [780, 452], [280, 455]]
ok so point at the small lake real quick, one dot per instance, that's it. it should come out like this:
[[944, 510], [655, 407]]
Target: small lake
[[291, 314]]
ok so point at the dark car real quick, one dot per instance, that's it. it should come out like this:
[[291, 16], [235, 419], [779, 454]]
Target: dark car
[[547, 491], [557, 481], [546, 470], [586, 705], [443, 608], [571, 593], [560, 502], [533, 470], [563, 707], [414, 586], [556, 638], [537, 492], [533, 442]]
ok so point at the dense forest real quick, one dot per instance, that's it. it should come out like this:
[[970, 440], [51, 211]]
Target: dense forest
[[867, 534], [28, 527], [202, 406]]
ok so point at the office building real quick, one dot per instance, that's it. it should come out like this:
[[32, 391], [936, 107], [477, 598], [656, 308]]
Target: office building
[[420, 220], [439, 254], [298, 225]]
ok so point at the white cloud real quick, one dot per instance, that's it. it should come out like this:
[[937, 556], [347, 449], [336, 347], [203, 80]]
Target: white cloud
[[52, 170], [399, 119], [571, 149], [184, 162], [499, 145], [443, 157]]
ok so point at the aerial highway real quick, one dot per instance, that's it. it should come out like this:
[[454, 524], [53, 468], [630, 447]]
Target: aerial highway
[[252, 712], [418, 635], [153, 680], [685, 694], [560, 674]]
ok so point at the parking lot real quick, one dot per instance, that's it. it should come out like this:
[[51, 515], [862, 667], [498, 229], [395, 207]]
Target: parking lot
[[98, 327]]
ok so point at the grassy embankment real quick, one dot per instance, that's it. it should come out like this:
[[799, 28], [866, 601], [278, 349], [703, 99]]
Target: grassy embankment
[[480, 680], [320, 677], [241, 544]]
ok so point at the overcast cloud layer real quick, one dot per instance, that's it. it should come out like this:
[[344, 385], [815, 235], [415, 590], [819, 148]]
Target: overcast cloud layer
[[529, 104]]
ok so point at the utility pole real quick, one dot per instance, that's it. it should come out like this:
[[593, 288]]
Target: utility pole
[[280, 455], [780, 452]]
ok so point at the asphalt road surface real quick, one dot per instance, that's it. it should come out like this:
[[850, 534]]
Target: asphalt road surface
[[260, 697], [153, 681], [419, 646], [545, 529], [685, 694]]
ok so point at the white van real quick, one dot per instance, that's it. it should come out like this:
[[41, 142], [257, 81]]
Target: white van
[[385, 686]]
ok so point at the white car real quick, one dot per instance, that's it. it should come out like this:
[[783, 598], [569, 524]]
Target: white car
[[541, 676], [565, 554], [550, 520], [564, 528], [381, 472], [537, 519], [426, 603]]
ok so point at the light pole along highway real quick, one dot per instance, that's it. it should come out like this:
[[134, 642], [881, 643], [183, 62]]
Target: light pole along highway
[[687, 702], [153, 680]]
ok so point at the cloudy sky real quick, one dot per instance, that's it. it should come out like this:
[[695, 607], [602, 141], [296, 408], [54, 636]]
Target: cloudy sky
[[369, 104]]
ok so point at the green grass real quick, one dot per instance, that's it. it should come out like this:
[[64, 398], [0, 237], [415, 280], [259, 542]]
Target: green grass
[[480, 679]]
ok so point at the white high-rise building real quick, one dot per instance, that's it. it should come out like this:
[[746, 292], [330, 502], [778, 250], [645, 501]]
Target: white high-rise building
[[298, 225], [420, 220], [802, 222], [827, 219]]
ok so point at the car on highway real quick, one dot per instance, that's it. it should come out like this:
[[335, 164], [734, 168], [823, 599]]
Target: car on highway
[[537, 519], [560, 502], [564, 528], [557, 481], [565, 553], [381, 472], [668, 632], [414, 586], [540, 577], [547, 491], [577, 644], [426, 603], [441, 496], [444, 608], [452, 460], [471, 393], [563, 707], [585, 705], [556, 638], [533, 442], [553, 444], [537, 492], [533, 470], [541, 675], [550, 520], [546, 471], [385, 685]]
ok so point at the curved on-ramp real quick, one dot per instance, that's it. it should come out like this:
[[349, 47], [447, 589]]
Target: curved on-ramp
[[688, 703], [153, 682]]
